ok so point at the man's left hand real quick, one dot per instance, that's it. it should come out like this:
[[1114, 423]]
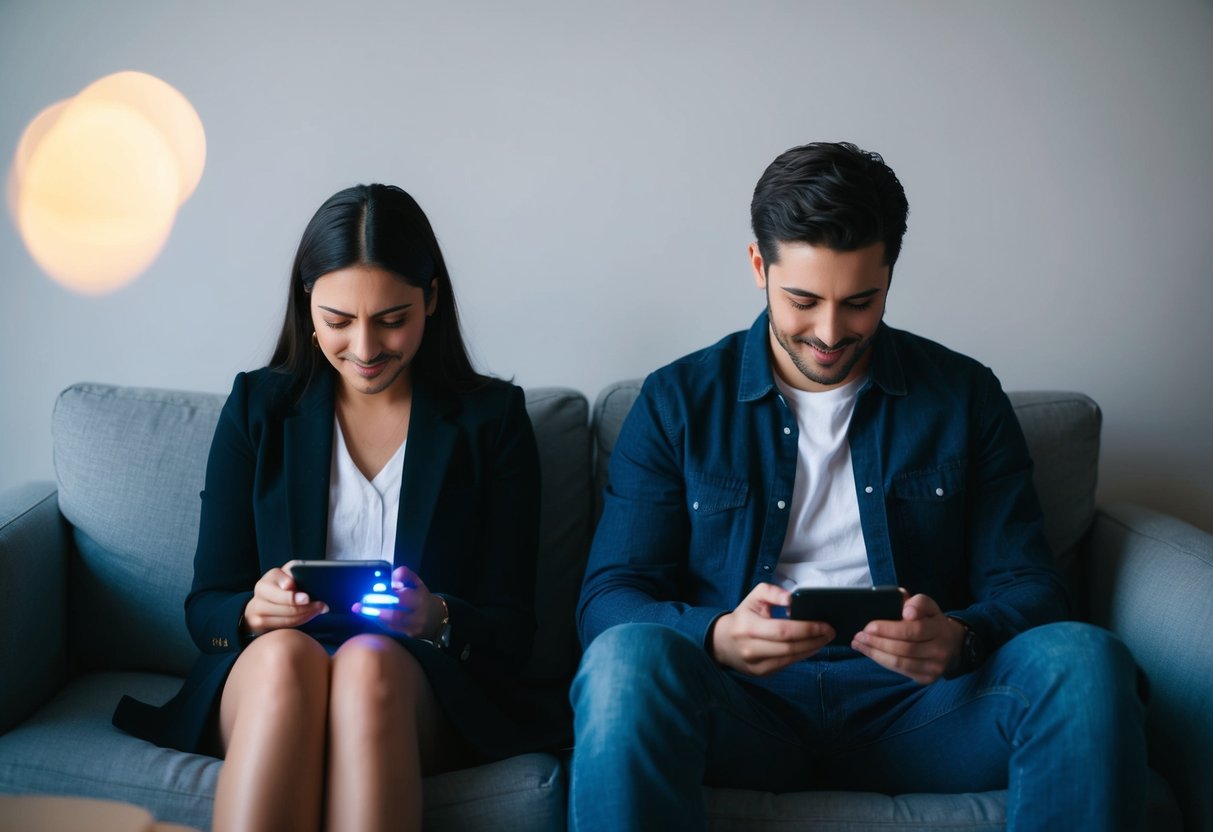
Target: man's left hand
[[922, 646]]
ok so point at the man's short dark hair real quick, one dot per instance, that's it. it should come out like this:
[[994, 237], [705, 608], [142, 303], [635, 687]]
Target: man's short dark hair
[[829, 194]]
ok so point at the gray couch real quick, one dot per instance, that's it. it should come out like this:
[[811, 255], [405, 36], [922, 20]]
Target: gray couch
[[93, 571]]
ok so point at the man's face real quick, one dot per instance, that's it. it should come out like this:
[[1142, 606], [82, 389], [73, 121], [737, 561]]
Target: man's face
[[825, 307]]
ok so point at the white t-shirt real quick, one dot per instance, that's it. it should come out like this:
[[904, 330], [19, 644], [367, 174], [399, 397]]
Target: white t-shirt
[[362, 512], [824, 543]]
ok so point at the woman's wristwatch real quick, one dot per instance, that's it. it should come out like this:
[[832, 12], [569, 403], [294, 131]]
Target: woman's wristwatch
[[442, 639]]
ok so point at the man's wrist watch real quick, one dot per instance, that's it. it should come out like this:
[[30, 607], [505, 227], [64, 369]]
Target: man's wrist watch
[[972, 649]]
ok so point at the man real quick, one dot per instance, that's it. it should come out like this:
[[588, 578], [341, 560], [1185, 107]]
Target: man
[[824, 448]]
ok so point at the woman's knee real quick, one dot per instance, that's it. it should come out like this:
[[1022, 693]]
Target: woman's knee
[[284, 658], [282, 678], [375, 672]]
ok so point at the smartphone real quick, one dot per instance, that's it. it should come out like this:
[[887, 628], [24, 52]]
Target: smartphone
[[341, 583], [848, 610]]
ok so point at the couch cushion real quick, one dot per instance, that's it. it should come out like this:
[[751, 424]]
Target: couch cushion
[[561, 421], [835, 811], [1062, 431], [131, 463], [610, 409], [69, 747]]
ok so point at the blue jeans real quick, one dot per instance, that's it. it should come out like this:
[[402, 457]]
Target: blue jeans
[[1053, 716]]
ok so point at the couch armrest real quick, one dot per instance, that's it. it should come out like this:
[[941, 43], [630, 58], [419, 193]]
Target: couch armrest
[[34, 546], [1152, 584]]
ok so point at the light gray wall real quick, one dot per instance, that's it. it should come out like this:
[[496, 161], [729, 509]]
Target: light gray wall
[[588, 168]]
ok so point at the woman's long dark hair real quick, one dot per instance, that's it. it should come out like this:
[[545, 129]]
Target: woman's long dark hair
[[375, 225]]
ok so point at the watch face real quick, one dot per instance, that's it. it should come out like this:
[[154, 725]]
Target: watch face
[[972, 648]]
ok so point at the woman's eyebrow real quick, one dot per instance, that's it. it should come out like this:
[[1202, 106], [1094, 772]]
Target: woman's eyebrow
[[378, 314], [391, 309]]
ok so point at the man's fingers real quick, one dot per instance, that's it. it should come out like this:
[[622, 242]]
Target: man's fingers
[[765, 595]]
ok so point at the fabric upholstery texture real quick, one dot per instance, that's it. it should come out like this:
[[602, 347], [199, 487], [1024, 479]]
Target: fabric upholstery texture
[[560, 418], [33, 577], [130, 464], [44, 756], [1062, 430], [1153, 584]]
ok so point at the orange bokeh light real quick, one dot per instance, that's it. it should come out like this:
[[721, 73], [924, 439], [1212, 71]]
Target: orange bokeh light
[[97, 180]]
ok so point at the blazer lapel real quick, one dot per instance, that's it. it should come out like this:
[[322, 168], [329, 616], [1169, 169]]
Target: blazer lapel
[[307, 464], [431, 438]]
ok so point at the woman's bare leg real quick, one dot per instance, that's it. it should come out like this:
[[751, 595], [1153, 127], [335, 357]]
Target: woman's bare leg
[[384, 728], [272, 725]]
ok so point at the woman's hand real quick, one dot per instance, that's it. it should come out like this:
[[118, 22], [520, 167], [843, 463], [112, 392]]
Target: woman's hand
[[276, 605], [419, 613]]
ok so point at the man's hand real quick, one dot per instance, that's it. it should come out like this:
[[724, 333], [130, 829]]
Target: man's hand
[[749, 640], [922, 646]]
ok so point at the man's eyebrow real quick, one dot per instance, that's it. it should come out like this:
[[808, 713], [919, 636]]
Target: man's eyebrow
[[803, 293], [378, 314]]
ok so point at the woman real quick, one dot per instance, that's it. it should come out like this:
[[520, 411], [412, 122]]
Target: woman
[[369, 436]]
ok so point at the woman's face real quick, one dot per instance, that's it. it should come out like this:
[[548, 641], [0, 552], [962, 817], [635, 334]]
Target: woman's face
[[369, 323]]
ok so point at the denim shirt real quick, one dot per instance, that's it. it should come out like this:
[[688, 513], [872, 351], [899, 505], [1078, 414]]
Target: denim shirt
[[701, 477]]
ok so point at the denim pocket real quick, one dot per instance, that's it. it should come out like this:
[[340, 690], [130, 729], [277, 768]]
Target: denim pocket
[[934, 484], [709, 494], [927, 509]]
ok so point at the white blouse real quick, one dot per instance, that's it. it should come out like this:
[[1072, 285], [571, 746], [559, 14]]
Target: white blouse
[[362, 512]]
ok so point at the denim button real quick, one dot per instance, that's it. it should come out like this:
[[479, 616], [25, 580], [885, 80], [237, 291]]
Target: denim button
[[766, 567], [938, 492], [695, 505], [781, 504], [868, 490], [787, 431]]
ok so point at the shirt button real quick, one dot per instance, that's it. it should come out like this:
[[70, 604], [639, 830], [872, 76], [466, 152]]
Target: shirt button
[[695, 505], [868, 490], [787, 431], [766, 567], [781, 504], [938, 492]]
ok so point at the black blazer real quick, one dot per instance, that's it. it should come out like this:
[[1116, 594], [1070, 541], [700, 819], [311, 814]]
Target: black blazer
[[468, 525]]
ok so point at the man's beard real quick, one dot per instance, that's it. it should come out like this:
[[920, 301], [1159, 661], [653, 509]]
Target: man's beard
[[828, 377]]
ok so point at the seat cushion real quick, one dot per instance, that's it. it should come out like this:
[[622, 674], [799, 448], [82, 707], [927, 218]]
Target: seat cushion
[[737, 810], [69, 747]]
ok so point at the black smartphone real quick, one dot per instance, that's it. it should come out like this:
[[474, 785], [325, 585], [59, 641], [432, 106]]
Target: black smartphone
[[848, 610], [340, 583]]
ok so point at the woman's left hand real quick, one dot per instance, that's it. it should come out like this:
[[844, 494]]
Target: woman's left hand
[[419, 613]]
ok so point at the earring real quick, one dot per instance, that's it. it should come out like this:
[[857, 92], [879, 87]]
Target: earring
[[315, 339]]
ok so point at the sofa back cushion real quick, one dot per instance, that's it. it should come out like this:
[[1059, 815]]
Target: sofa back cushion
[[1062, 430], [130, 464]]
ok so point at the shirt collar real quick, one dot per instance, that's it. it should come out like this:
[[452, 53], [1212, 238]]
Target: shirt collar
[[757, 376]]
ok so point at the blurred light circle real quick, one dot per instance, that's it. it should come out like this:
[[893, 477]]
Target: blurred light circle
[[97, 180], [168, 110], [30, 139]]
